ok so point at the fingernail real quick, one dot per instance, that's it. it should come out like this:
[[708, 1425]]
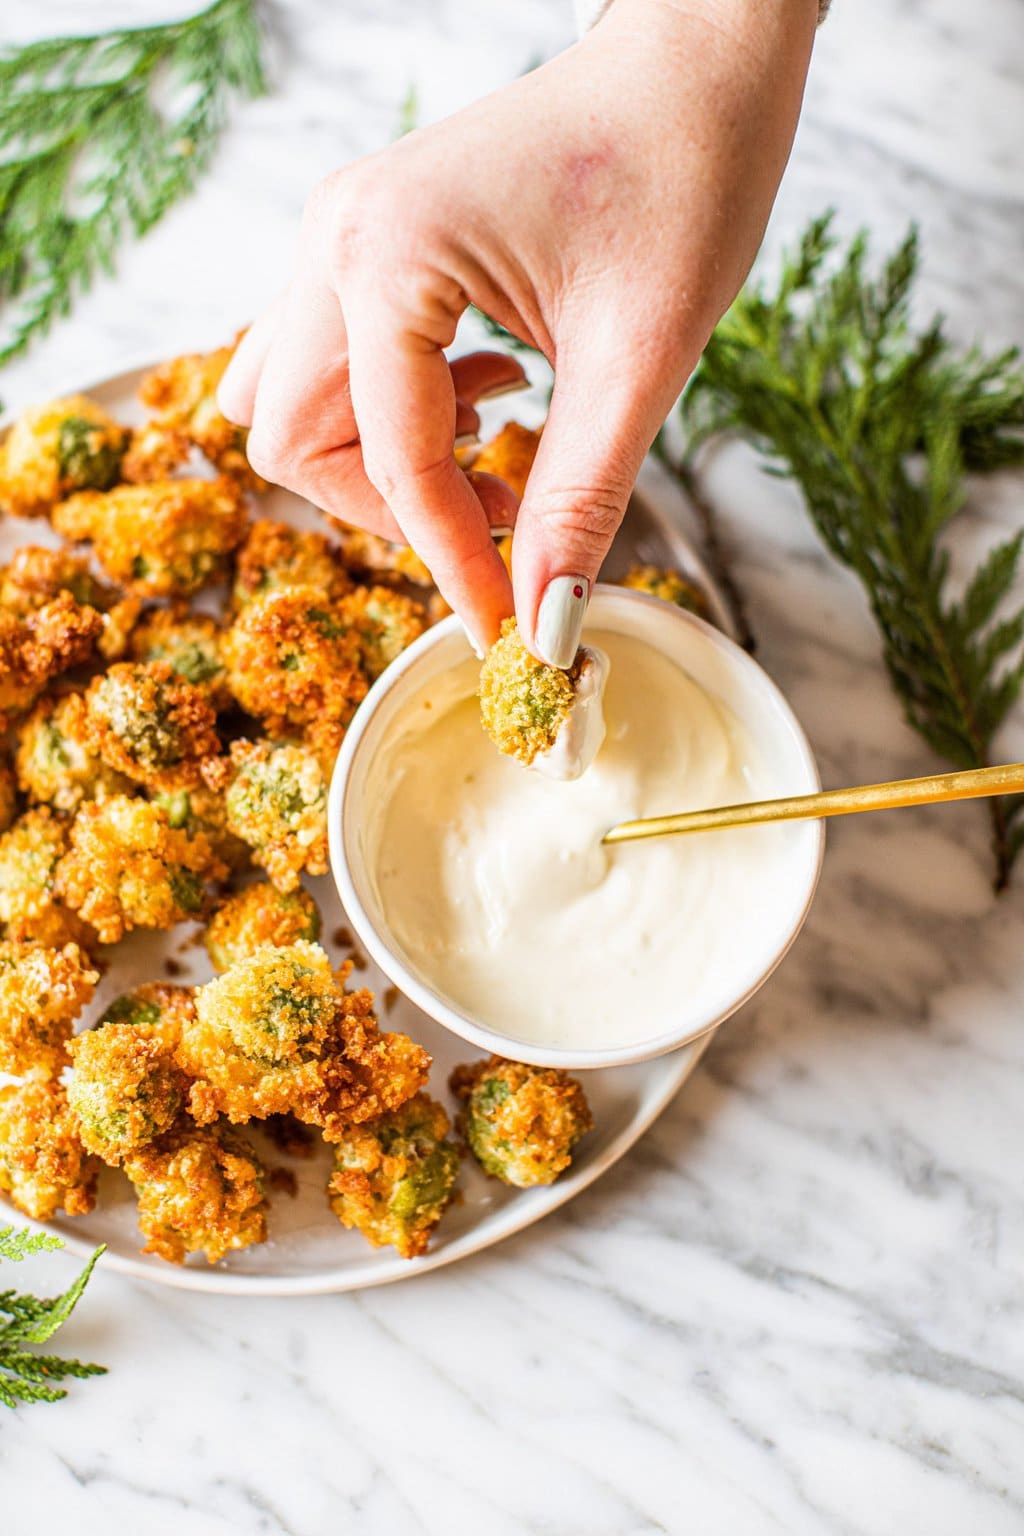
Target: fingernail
[[560, 619], [476, 649], [497, 390], [501, 530]]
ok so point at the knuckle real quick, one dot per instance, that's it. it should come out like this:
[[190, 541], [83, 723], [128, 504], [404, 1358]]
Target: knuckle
[[586, 516], [270, 453], [323, 198], [395, 479]]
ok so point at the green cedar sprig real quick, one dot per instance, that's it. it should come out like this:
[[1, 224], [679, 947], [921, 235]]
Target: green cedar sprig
[[25, 1375], [99, 136], [878, 425]]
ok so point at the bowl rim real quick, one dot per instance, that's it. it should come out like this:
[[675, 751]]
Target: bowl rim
[[425, 998]]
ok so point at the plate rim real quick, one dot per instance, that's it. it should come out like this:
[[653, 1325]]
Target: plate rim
[[515, 1218]]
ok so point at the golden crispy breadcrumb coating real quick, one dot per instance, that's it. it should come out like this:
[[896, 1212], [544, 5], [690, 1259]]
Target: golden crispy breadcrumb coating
[[201, 809], [293, 661], [670, 586], [521, 1123], [36, 575], [154, 453], [148, 723], [42, 992], [277, 1033], [54, 764], [38, 647], [159, 1006], [126, 1087], [510, 455], [394, 1177], [169, 538], [199, 1191], [276, 555], [523, 703], [128, 868], [43, 1165], [257, 915], [182, 394], [366, 555], [30, 911], [8, 796], [55, 449], [385, 621], [190, 645], [275, 799]]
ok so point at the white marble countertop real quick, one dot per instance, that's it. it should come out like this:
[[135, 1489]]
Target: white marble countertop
[[797, 1305]]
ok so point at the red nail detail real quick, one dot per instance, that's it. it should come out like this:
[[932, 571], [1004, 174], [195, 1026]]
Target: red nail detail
[[577, 590]]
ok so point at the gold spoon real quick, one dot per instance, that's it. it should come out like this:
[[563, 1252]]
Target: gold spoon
[[970, 784]]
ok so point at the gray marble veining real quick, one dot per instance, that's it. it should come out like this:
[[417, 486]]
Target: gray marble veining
[[796, 1307]]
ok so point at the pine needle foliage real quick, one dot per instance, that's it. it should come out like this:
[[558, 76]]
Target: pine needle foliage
[[26, 1376], [878, 425], [99, 137]]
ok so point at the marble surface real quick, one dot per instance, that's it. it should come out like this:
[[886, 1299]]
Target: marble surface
[[797, 1306]]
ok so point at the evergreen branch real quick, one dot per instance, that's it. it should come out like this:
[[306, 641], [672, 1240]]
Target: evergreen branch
[[878, 426], [25, 1375], [19, 1243], [99, 137]]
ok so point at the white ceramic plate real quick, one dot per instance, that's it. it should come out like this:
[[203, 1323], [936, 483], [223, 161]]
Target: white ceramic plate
[[308, 1251]]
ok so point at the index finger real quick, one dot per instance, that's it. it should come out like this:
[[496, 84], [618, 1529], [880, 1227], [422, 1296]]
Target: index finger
[[403, 398]]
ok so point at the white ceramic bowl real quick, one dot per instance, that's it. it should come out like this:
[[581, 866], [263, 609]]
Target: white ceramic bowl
[[718, 666]]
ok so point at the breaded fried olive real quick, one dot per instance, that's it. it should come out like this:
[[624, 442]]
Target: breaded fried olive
[[258, 915], [30, 851], [201, 809], [53, 450], [509, 455], [523, 703], [521, 1123], [293, 661], [276, 555], [275, 799], [385, 621], [169, 538], [128, 868], [189, 643], [148, 723], [277, 1033], [43, 1166], [367, 556], [670, 586], [199, 1191], [126, 1087], [39, 647], [182, 394], [54, 764], [36, 575], [393, 1177], [159, 1006], [42, 992]]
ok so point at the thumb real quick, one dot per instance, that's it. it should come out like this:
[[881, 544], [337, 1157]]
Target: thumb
[[589, 457]]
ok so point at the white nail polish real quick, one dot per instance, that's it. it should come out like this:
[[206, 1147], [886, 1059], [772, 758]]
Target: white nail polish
[[501, 530], [560, 619]]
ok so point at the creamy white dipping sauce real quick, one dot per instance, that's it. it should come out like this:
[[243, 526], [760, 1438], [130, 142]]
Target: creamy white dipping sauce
[[495, 884]]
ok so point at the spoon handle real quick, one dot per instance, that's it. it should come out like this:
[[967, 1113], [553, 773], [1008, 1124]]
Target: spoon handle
[[969, 784]]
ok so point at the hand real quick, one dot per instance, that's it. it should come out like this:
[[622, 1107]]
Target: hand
[[605, 208]]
